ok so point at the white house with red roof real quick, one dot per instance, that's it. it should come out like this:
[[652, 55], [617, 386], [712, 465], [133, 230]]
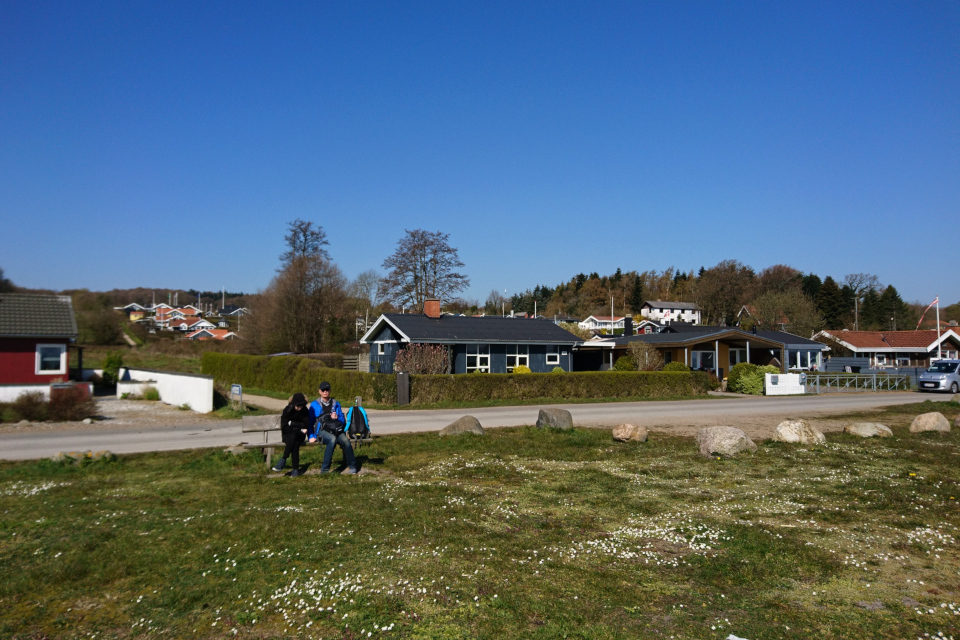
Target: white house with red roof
[[898, 348], [602, 323]]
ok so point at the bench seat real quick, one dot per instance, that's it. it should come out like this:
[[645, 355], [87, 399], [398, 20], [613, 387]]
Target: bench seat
[[271, 424]]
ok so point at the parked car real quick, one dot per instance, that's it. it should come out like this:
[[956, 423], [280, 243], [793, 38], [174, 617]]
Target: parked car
[[943, 375]]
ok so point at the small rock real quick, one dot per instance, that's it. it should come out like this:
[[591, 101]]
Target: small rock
[[933, 421], [868, 430], [723, 441], [799, 432], [101, 455], [871, 606], [955, 398], [555, 419], [237, 449], [466, 424], [87, 421], [24, 422], [628, 432]]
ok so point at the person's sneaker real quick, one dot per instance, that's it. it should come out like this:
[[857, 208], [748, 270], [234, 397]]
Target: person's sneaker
[[350, 472], [295, 473], [277, 468], [324, 470]]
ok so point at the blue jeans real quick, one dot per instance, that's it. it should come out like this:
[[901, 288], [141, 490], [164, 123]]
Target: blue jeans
[[331, 441]]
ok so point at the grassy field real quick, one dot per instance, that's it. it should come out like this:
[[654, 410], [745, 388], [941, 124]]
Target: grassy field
[[522, 533]]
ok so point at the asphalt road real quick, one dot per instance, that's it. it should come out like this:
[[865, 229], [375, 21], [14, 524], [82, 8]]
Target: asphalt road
[[27, 444]]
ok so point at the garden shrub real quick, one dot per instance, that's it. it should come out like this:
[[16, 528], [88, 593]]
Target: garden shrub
[[111, 367], [675, 366], [71, 404], [624, 363], [752, 382], [30, 406], [423, 358], [557, 369], [151, 393], [522, 369], [735, 377]]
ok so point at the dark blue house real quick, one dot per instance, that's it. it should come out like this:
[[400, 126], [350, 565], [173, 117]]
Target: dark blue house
[[490, 344]]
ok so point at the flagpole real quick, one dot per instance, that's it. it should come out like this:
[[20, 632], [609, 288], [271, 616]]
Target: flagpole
[[939, 351]]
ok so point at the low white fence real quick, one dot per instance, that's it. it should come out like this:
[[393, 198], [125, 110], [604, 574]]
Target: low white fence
[[178, 389], [10, 392]]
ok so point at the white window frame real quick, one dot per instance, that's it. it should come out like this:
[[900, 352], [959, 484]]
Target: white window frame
[[520, 355], [696, 359], [63, 360], [553, 355], [903, 361], [738, 352], [880, 360], [482, 354]]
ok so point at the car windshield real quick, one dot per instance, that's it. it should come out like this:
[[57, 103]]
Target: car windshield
[[943, 367]]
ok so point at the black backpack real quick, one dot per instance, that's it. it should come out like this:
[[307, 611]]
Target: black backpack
[[357, 425]]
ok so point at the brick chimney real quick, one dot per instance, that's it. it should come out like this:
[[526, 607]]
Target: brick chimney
[[431, 308], [628, 325]]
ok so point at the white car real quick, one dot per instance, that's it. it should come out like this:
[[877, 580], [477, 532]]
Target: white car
[[943, 375]]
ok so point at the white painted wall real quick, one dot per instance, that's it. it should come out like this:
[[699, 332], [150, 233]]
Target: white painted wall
[[10, 392], [787, 384], [134, 388], [176, 388]]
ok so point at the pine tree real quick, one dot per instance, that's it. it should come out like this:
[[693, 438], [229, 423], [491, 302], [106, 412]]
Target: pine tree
[[811, 285], [830, 304], [895, 310], [636, 296]]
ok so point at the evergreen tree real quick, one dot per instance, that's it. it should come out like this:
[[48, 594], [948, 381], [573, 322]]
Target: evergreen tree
[[811, 285], [895, 310], [871, 312], [830, 304], [636, 296]]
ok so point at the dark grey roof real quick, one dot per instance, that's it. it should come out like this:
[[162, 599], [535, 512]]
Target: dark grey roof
[[450, 329], [790, 339], [25, 314], [692, 335], [667, 304]]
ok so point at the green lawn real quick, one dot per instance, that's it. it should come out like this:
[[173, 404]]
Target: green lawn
[[522, 533]]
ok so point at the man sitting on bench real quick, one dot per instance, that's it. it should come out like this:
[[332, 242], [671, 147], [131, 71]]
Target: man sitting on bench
[[329, 423]]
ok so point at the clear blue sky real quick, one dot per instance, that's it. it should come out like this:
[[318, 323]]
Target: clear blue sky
[[168, 144]]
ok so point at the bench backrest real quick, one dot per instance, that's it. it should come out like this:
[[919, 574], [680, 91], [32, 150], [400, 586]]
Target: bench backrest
[[260, 423]]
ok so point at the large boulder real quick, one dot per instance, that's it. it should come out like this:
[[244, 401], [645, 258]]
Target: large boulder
[[723, 441], [555, 419], [868, 430], [466, 424], [933, 421], [798, 432], [628, 432]]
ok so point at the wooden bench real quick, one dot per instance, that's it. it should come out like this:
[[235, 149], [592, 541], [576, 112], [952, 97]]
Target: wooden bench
[[271, 424]]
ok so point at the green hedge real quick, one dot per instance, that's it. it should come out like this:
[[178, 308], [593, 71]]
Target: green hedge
[[589, 384], [289, 374]]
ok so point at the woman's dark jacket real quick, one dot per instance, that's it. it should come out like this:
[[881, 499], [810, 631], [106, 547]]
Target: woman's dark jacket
[[292, 422]]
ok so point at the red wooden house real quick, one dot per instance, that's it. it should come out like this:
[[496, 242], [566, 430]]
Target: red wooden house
[[35, 331]]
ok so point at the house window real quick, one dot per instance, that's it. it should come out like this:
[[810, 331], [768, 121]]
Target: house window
[[518, 355], [478, 358], [667, 357], [51, 359], [553, 354], [881, 360], [903, 361], [737, 356], [702, 360], [381, 349]]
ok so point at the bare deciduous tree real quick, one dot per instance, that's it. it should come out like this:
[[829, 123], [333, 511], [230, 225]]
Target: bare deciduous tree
[[790, 311], [302, 310], [645, 356], [423, 266], [722, 290], [303, 240]]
